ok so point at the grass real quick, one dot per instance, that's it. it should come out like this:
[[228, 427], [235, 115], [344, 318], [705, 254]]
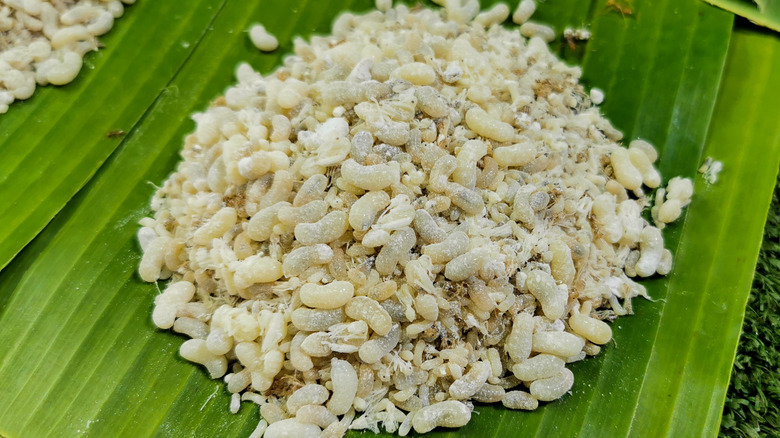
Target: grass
[[752, 406]]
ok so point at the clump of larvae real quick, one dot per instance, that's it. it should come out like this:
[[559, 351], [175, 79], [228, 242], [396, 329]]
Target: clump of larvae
[[391, 225]]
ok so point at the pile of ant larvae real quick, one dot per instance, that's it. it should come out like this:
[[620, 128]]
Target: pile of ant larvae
[[410, 216]]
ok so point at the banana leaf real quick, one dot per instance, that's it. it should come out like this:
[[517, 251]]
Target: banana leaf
[[80, 356], [762, 12]]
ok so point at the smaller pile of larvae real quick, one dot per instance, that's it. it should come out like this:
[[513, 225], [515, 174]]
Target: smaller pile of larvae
[[44, 41]]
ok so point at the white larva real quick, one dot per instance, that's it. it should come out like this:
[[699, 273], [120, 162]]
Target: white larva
[[552, 388], [239, 381], [533, 30], [153, 260], [483, 124], [101, 23], [191, 327], [468, 200], [65, 67], [596, 96], [592, 329], [469, 155], [376, 238], [292, 428], [561, 344], [384, 5], [650, 176], [670, 210], [625, 171], [538, 367], [398, 215], [665, 265], [519, 400], [562, 264], [261, 226], [325, 230], [308, 213], [20, 84], [515, 155], [216, 226], [651, 250], [315, 414], [417, 73], [465, 265], [194, 350], [645, 147], [524, 10], [397, 247], [263, 40], [259, 430], [372, 177], [451, 413], [429, 100], [345, 384], [366, 209], [519, 342], [311, 394], [256, 269], [426, 227], [219, 341], [313, 320], [496, 15], [167, 303], [67, 36], [427, 307], [315, 345], [280, 190], [373, 350], [250, 355], [329, 296], [440, 173], [235, 403], [271, 412], [368, 310], [489, 394], [280, 128], [298, 358], [312, 189], [471, 382], [116, 8], [302, 258], [454, 245], [550, 296]]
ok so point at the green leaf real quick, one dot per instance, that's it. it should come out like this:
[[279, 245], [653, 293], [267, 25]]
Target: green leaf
[[80, 355], [715, 264], [762, 12]]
